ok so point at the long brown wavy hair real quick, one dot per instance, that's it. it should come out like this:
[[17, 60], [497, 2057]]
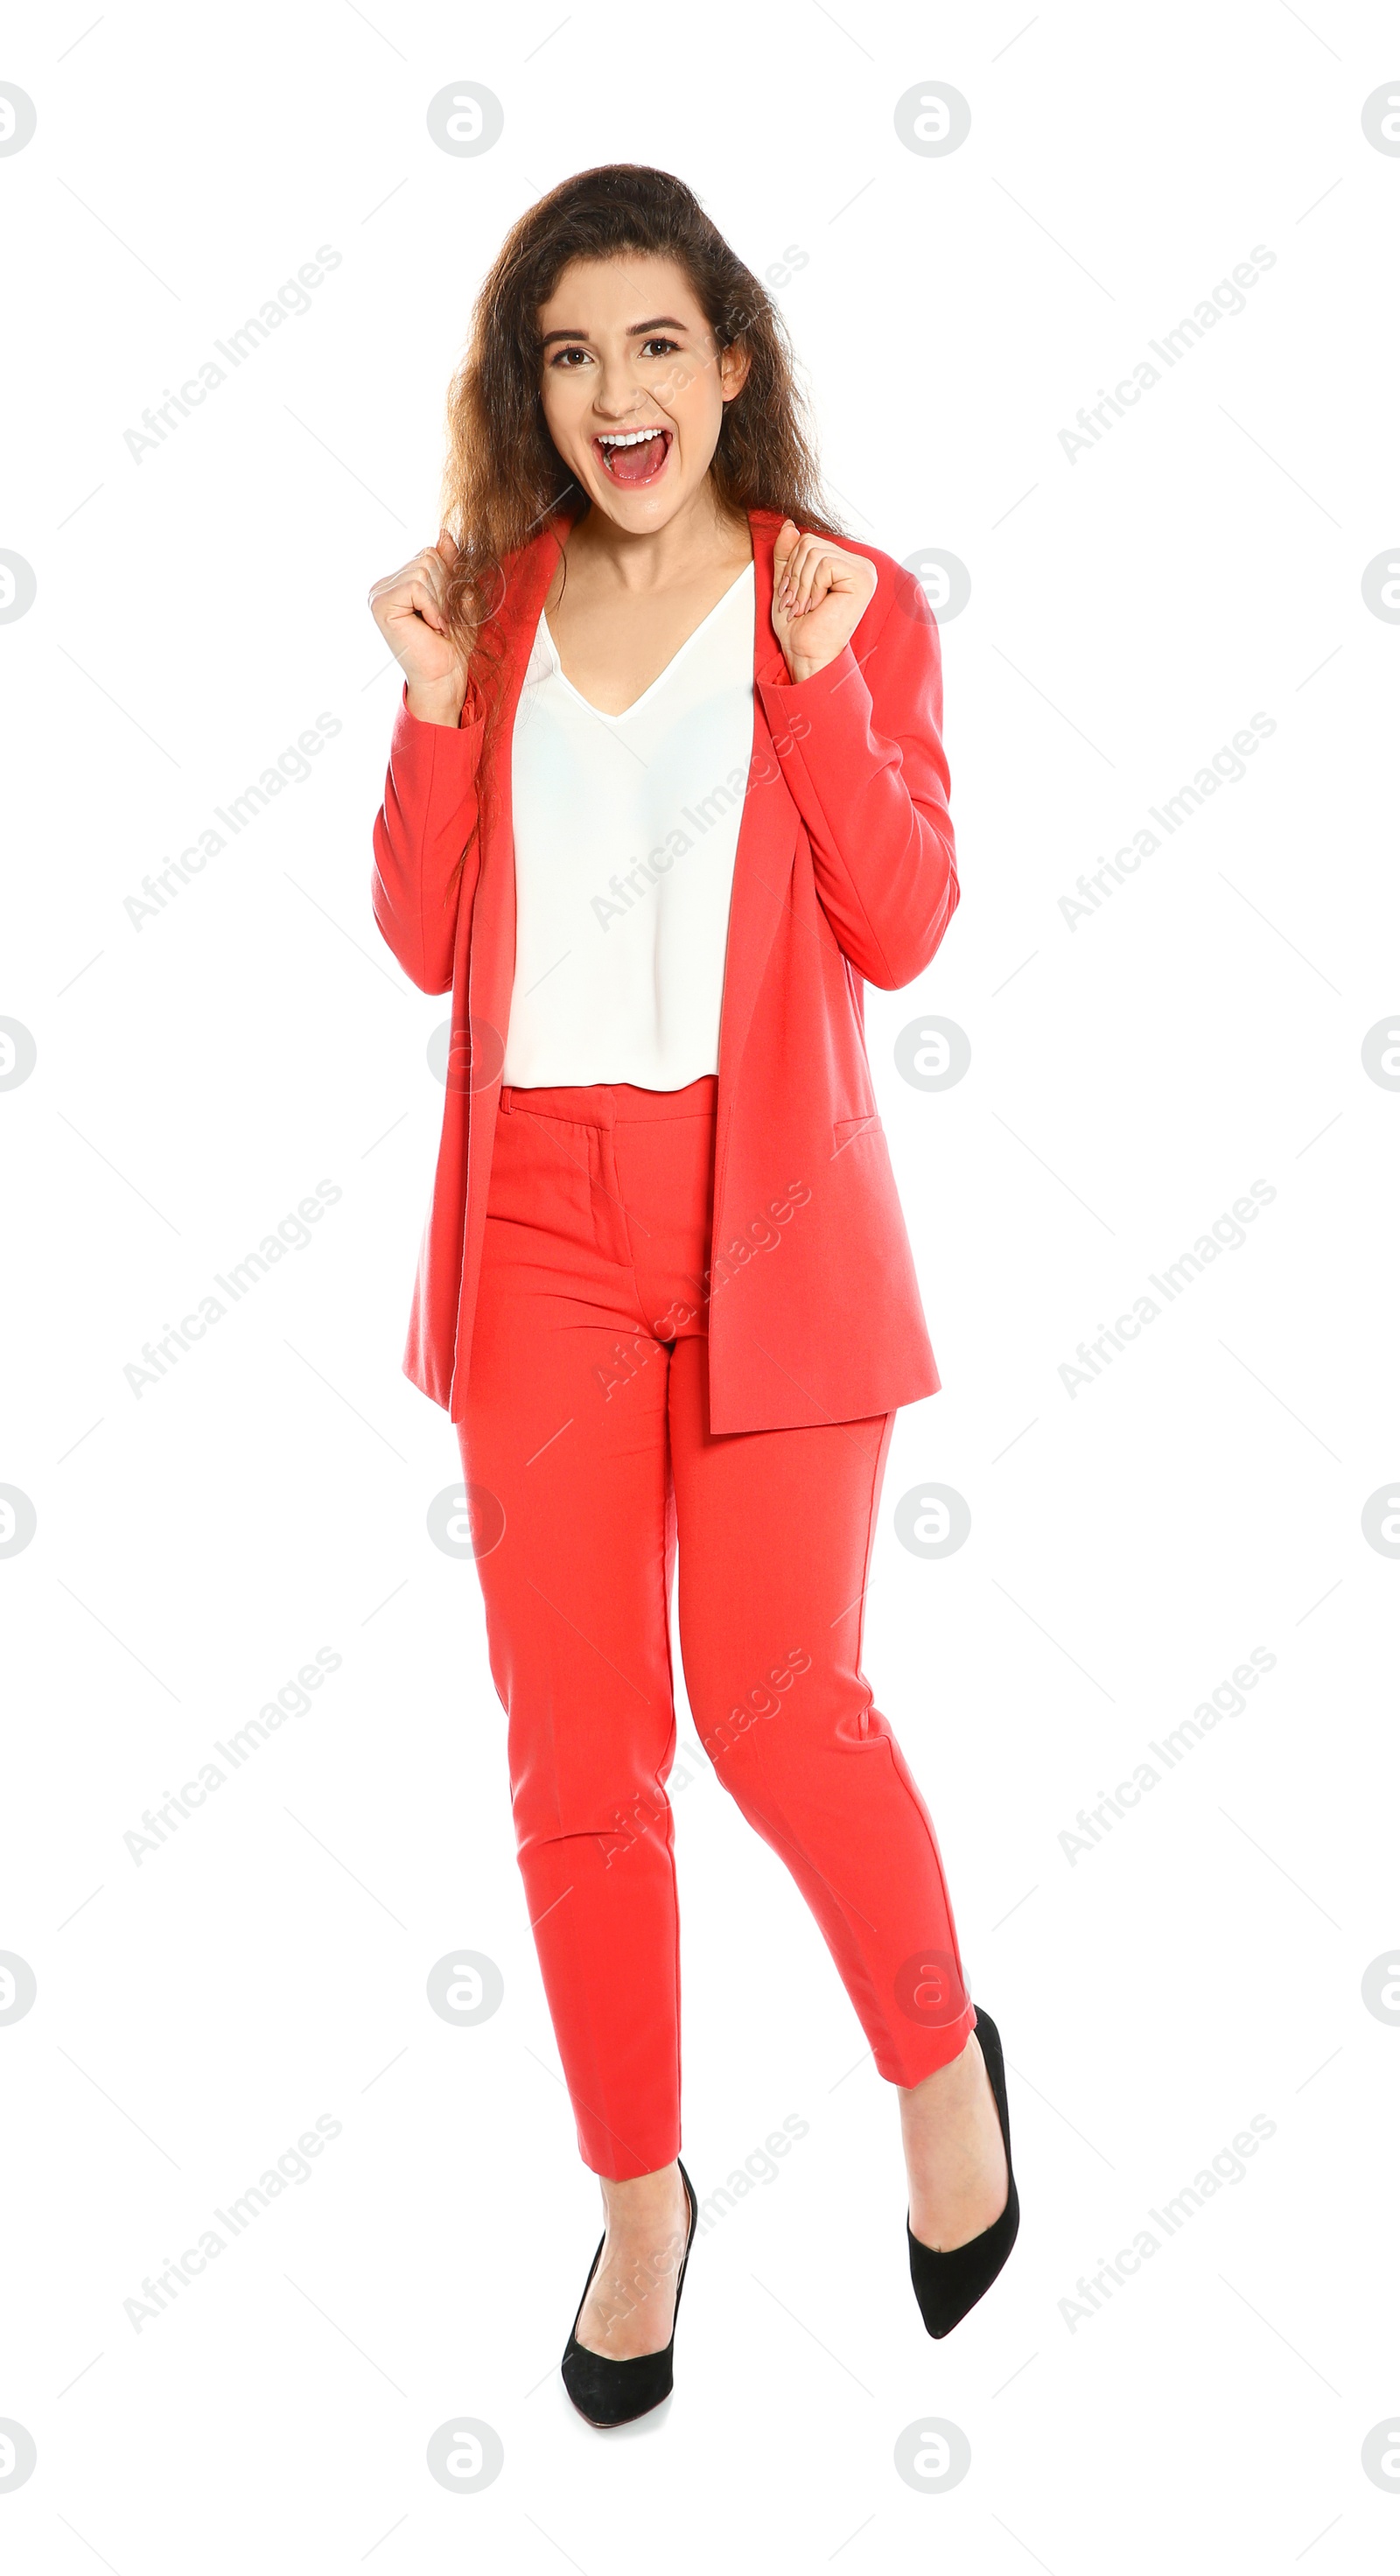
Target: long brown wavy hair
[[504, 477]]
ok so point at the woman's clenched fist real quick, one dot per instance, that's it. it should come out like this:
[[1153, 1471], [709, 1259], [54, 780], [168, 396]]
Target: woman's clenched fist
[[407, 608], [820, 594]]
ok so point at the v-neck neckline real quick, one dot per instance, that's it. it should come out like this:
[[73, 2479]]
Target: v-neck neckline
[[608, 715]]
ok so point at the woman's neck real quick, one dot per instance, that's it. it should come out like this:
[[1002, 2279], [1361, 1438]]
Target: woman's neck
[[700, 536]]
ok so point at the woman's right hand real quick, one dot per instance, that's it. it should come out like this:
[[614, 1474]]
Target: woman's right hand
[[407, 609]]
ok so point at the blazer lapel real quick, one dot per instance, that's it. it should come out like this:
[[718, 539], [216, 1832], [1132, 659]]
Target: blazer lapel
[[492, 927], [767, 842]]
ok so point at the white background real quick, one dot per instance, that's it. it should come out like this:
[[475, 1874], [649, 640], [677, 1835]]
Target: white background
[[1130, 1544]]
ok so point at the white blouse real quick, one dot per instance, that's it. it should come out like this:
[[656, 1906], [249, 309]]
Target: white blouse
[[626, 828]]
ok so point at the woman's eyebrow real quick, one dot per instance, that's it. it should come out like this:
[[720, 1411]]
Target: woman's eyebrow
[[666, 321]]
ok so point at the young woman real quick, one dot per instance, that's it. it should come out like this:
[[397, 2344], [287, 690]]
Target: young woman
[[665, 785]]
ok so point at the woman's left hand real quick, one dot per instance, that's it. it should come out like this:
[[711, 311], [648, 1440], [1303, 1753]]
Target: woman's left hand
[[820, 594]]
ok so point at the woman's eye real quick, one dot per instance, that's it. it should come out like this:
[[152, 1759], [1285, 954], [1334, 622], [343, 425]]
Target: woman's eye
[[561, 356], [659, 348]]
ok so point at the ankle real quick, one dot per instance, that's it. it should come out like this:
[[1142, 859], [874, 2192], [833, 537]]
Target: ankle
[[956, 2076], [644, 2204]]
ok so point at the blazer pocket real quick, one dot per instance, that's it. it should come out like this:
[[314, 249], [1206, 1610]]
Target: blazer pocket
[[844, 1129]]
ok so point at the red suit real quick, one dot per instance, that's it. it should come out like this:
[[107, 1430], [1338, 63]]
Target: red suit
[[691, 1315]]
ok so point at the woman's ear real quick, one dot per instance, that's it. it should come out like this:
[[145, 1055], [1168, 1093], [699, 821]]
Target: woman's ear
[[733, 370]]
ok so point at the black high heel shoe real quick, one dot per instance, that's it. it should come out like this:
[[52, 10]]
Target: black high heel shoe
[[616, 2392], [947, 2285]]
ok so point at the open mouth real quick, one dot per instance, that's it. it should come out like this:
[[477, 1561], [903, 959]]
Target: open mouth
[[634, 456]]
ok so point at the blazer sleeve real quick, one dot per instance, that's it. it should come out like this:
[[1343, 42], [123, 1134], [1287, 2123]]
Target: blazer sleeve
[[860, 747], [420, 832]]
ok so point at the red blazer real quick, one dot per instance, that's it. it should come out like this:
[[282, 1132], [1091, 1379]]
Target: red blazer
[[845, 870]]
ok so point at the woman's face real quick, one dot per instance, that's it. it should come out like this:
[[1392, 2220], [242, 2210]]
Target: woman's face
[[634, 385]]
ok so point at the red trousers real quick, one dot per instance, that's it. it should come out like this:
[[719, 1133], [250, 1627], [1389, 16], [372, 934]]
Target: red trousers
[[587, 1442]]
